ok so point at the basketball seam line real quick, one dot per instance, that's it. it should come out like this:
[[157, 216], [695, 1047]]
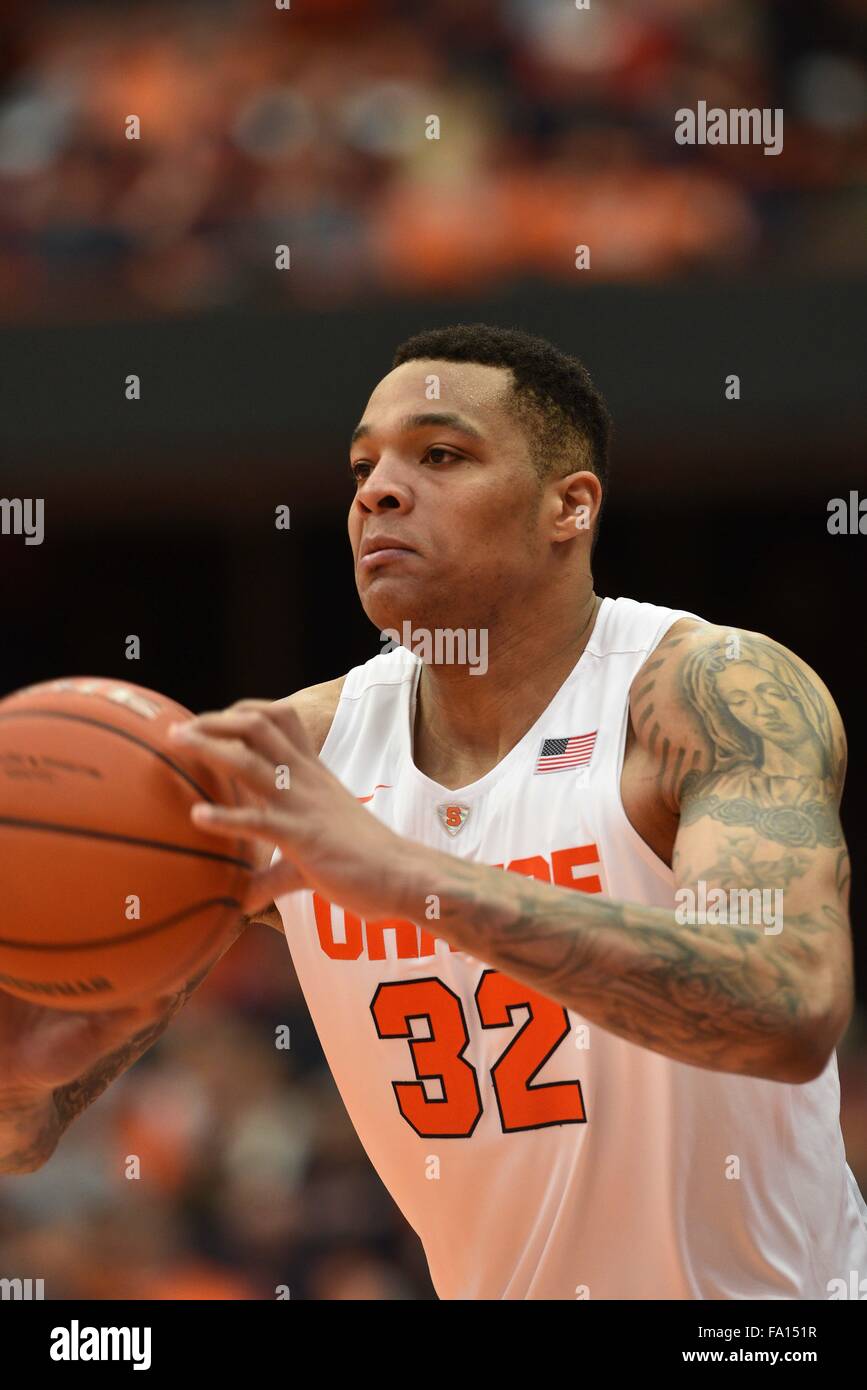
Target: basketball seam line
[[16, 823], [128, 937]]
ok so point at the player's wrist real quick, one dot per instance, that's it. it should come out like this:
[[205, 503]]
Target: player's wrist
[[420, 883]]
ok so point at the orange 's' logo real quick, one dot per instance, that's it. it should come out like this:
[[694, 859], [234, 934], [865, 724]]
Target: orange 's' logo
[[453, 815]]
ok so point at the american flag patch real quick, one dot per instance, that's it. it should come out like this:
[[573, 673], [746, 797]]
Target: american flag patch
[[560, 753]]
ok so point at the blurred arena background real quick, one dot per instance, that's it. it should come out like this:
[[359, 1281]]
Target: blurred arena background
[[306, 128]]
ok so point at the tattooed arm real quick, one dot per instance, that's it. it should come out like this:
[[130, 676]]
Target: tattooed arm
[[742, 748], [54, 1064]]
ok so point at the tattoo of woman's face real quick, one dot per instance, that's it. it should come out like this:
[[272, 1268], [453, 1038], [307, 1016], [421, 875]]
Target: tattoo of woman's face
[[756, 702], [763, 704]]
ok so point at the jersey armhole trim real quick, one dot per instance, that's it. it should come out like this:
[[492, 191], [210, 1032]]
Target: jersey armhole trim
[[350, 691]]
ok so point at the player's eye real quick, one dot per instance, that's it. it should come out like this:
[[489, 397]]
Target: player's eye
[[440, 449], [359, 476]]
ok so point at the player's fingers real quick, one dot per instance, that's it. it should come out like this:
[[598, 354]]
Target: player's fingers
[[267, 887], [246, 703], [260, 822], [256, 722], [251, 727], [246, 763], [290, 724]]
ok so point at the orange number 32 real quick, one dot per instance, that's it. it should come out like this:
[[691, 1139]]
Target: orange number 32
[[440, 1056]]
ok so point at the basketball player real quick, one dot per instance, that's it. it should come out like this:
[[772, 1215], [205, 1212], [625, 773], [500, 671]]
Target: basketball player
[[571, 922]]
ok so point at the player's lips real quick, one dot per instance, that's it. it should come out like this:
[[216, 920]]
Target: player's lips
[[381, 550]]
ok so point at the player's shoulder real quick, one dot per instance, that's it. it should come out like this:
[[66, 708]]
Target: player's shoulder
[[704, 683], [315, 706], [693, 653]]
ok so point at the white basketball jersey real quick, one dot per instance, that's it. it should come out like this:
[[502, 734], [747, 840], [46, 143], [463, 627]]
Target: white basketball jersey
[[537, 1155]]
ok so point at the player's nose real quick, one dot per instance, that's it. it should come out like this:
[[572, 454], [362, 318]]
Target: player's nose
[[384, 490]]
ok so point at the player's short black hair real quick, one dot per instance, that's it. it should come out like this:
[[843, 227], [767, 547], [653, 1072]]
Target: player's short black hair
[[564, 417]]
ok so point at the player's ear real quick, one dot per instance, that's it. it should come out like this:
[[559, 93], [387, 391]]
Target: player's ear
[[578, 499]]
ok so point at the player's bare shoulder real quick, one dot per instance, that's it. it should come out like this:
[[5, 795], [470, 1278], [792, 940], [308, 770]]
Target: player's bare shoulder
[[315, 706], [724, 709]]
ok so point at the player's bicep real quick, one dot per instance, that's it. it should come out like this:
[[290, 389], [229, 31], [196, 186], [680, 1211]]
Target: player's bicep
[[757, 791], [738, 866]]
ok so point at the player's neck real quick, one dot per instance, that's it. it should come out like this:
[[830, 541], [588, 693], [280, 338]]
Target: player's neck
[[465, 724]]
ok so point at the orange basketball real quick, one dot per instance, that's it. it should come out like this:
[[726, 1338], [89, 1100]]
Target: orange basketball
[[109, 893]]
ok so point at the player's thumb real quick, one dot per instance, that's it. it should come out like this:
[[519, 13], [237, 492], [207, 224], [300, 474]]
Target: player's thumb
[[265, 888]]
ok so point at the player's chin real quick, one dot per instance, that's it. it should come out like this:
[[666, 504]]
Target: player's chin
[[387, 598], [388, 588]]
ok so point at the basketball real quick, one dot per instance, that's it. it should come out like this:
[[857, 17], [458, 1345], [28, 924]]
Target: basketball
[[111, 894]]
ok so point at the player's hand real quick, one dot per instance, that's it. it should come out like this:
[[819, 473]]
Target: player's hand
[[41, 1049], [327, 840]]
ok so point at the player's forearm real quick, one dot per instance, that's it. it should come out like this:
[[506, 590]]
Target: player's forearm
[[722, 997]]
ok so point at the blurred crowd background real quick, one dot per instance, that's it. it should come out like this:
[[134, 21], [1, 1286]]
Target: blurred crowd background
[[306, 127]]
